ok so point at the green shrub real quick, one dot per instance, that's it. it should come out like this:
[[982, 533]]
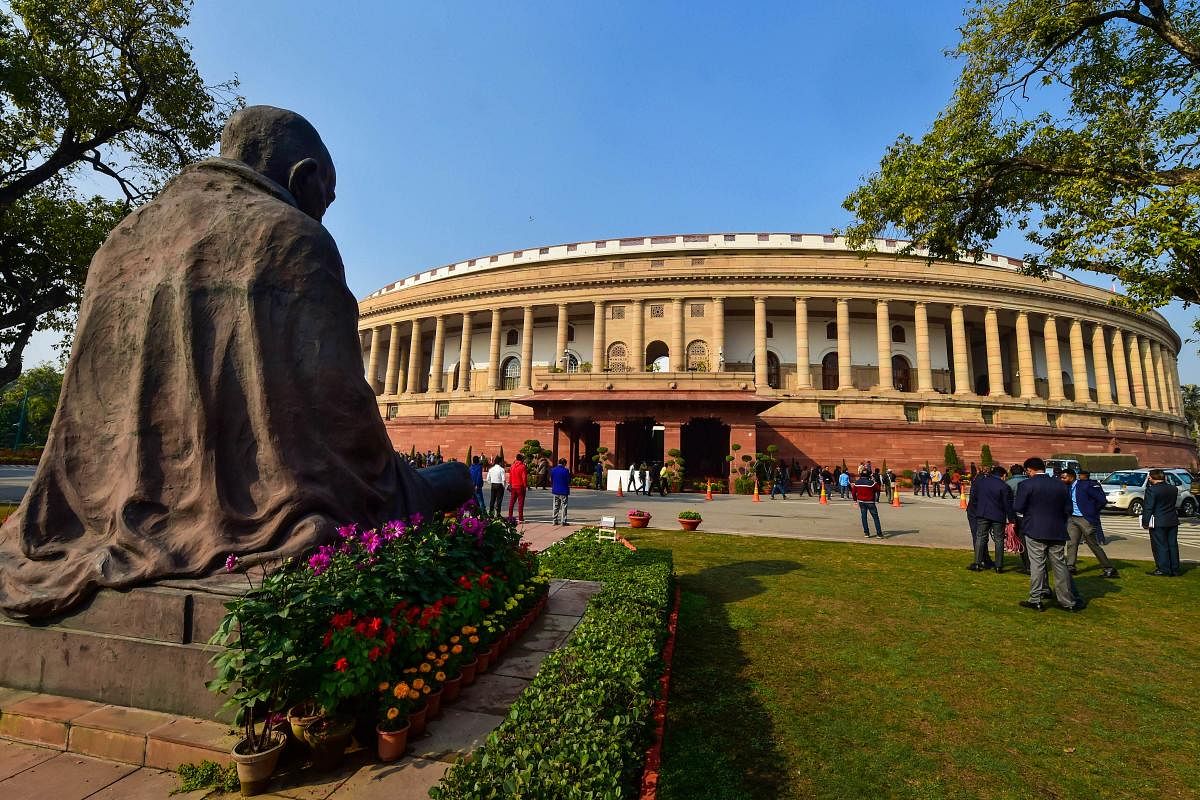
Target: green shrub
[[950, 456], [985, 457], [743, 485], [689, 515], [581, 728], [206, 775]]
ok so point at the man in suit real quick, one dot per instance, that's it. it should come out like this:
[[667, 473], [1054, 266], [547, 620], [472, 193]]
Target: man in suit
[[1161, 517], [1045, 505], [991, 505], [1087, 500]]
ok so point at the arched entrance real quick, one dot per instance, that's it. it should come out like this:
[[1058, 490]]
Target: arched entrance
[[773, 372], [697, 356], [510, 371], [658, 355], [829, 371], [901, 374], [618, 357]]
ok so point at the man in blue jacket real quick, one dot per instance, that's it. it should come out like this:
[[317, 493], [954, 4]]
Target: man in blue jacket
[[1044, 504], [1161, 517], [560, 487], [476, 470], [1087, 501], [991, 505]]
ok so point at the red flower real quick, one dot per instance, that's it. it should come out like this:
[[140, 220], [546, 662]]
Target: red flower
[[374, 626], [464, 582], [485, 580], [341, 665], [483, 602], [342, 620], [451, 601], [389, 637], [374, 654], [360, 627], [328, 638]]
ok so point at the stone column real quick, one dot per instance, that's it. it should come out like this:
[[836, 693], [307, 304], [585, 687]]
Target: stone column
[[437, 362], [560, 338], [1025, 357], [1079, 363], [924, 362], [1121, 369], [1173, 378], [637, 358], [678, 356], [760, 342], [883, 343], [845, 368], [464, 355], [718, 334], [393, 360], [527, 349], [1135, 367], [803, 368], [494, 352], [1053, 360], [1160, 376], [1104, 392], [995, 364], [599, 345], [1148, 372], [413, 385], [958, 335], [373, 360]]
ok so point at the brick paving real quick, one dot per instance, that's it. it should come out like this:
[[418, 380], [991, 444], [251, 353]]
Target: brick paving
[[137, 745]]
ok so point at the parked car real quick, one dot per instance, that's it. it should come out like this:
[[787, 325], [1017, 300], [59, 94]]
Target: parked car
[[1056, 465], [1126, 490]]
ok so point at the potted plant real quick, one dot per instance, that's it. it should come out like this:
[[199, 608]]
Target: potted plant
[[393, 726], [689, 520], [638, 518]]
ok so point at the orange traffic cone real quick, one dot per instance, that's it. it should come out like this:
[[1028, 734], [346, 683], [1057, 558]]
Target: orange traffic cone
[[824, 499], [962, 499], [708, 492], [620, 491], [757, 499], [896, 497]]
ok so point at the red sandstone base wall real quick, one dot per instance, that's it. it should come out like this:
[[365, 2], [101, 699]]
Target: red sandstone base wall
[[813, 441]]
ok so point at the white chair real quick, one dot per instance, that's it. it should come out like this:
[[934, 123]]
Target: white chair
[[607, 531]]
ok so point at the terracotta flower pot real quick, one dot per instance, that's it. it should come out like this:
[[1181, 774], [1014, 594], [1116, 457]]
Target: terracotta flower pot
[[485, 659], [299, 717], [639, 522], [328, 737], [451, 689], [689, 524], [416, 721], [434, 707], [391, 744], [254, 769], [468, 672]]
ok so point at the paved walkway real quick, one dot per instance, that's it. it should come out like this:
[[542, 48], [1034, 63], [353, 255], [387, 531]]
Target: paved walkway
[[31, 771]]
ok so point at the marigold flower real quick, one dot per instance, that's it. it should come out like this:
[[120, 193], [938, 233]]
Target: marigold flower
[[442, 648], [425, 667], [414, 695], [418, 683], [456, 649], [384, 686], [410, 671], [431, 655], [401, 690], [426, 690], [473, 639], [454, 640], [393, 712], [439, 676]]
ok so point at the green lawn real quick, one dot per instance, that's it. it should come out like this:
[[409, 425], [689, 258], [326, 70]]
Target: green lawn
[[813, 669]]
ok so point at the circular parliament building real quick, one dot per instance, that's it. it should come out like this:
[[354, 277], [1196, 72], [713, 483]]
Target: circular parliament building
[[699, 342]]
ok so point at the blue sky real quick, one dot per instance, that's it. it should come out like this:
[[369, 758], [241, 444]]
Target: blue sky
[[463, 129]]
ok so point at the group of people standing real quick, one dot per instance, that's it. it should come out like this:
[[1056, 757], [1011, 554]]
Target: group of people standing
[[515, 480], [833, 480], [648, 478], [1047, 517], [946, 484]]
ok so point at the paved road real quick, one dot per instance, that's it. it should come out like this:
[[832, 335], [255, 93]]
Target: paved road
[[13, 483]]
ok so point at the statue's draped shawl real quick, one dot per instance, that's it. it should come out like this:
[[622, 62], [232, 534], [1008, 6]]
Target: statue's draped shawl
[[214, 402]]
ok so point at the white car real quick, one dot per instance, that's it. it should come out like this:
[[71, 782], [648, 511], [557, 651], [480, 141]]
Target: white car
[[1126, 490]]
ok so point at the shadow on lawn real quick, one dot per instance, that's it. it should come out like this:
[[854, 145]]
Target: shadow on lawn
[[719, 742]]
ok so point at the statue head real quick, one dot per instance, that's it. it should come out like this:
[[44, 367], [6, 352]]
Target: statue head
[[285, 147]]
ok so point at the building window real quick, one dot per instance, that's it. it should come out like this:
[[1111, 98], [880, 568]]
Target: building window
[[898, 333], [572, 362], [657, 311], [618, 357], [696, 310], [510, 371], [512, 338], [393, 410], [989, 416], [503, 409], [770, 329], [829, 371], [1052, 420], [618, 312], [828, 411], [831, 331], [912, 413], [441, 409], [901, 374], [697, 356], [570, 333], [1106, 423], [697, 262]]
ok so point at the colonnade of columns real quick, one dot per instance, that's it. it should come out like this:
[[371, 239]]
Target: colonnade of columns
[[1143, 371]]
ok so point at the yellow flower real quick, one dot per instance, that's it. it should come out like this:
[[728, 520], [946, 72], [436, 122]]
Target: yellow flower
[[426, 690], [442, 660], [442, 648], [425, 668], [383, 687], [473, 640], [439, 676], [453, 640], [393, 712], [418, 683], [401, 690], [456, 649], [414, 695], [466, 628], [431, 654]]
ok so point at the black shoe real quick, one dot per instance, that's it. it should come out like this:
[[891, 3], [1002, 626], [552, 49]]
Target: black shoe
[[1036, 606], [999, 570], [1023, 571], [989, 564], [1111, 573], [1158, 573], [976, 568], [880, 535], [1072, 570], [1075, 609]]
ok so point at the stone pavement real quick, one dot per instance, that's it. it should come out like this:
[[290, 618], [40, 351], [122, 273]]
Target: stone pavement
[[56, 748]]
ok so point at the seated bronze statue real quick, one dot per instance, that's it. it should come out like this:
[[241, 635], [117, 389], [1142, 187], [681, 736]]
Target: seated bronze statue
[[214, 402]]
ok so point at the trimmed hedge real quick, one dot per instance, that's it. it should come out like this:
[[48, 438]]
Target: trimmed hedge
[[581, 728]]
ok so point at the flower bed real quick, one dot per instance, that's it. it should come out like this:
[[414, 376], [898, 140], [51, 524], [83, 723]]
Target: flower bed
[[409, 605], [581, 728]]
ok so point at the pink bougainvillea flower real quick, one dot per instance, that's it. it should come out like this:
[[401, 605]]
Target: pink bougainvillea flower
[[319, 561], [231, 563], [371, 541]]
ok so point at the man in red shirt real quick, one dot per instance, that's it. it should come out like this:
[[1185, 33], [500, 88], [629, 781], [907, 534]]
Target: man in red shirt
[[518, 482], [866, 493]]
